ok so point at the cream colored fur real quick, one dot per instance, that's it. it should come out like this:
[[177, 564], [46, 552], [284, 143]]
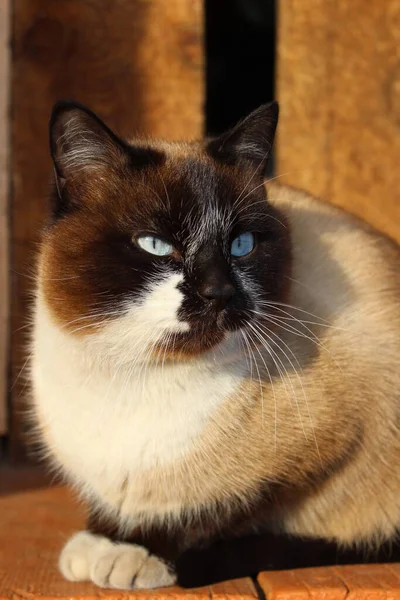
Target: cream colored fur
[[150, 441]]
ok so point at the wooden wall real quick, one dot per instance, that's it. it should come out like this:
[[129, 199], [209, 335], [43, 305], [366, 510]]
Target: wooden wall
[[139, 64], [339, 89], [4, 186]]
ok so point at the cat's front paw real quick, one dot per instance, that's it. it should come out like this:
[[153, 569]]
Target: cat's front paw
[[88, 557]]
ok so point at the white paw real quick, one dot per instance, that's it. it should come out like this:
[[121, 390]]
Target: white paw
[[88, 557]]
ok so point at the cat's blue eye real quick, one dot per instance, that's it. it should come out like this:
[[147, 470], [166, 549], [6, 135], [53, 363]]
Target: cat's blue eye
[[243, 244], [155, 245]]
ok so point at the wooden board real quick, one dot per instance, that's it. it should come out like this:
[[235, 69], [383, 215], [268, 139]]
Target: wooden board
[[4, 198], [339, 88], [139, 64]]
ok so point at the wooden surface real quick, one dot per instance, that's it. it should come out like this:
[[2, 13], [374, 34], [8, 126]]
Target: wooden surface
[[34, 524], [4, 186], [139, 64], [339, 89], [36, 520], [355, 582]]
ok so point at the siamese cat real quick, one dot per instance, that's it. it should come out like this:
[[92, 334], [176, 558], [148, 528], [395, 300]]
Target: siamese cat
[[213, 354]]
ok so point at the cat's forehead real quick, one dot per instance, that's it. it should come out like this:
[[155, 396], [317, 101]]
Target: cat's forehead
[[190, 197], [190, 179]]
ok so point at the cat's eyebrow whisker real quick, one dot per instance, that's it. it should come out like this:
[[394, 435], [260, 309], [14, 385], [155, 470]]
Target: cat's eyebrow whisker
[[237, 204], [251, 178], [165, 188], [151, 190]]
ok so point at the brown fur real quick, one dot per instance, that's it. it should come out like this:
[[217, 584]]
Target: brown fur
[[310, 443], [333, 475]]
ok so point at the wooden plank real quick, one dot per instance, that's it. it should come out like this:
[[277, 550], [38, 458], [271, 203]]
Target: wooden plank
[[283, 585], [339, 85], [236, 589], [138, 64], [322, 582], [366, 143], [303, 89], [4, 187], [350, 582], [361, 582]]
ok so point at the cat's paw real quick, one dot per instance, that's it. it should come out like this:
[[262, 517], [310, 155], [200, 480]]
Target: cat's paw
[[88, 557]]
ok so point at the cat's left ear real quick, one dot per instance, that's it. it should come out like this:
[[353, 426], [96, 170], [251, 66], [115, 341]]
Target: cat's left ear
[[251, 140]]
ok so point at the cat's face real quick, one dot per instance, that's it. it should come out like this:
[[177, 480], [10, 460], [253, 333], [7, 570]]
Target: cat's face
[[161, 246]]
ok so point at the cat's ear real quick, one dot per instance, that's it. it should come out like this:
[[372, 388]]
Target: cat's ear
[[81, 144], [250, 140], [88, 157]]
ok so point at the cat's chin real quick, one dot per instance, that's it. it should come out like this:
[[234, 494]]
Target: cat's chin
[[199, 340]]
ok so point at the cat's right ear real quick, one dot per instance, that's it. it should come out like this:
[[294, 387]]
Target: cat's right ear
[[82, 147]]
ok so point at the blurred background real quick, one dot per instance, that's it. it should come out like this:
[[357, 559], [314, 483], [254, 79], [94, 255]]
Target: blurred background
[[182, 69]]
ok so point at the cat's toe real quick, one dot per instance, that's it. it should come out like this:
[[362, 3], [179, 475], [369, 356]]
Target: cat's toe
[[117, 567], [75, 557], [88, 557], [154, 573]]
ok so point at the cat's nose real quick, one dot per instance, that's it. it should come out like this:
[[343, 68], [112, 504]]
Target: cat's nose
[[217, 293]]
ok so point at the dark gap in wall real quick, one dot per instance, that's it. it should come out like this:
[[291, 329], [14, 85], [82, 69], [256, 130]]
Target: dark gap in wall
[[240, 54]]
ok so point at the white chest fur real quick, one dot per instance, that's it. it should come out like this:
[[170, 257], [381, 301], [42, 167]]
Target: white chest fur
[[105, 426]]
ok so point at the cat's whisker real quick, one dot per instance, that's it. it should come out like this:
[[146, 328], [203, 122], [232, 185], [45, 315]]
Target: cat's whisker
[[305, 322], [293, 307], [313, 335], [269, 338], [24, 366], [274, 396], [312, 338], [248, 355], [26, 326], [34, 278], [260, 383], [270, 179], [300, 380], [278, 364]]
